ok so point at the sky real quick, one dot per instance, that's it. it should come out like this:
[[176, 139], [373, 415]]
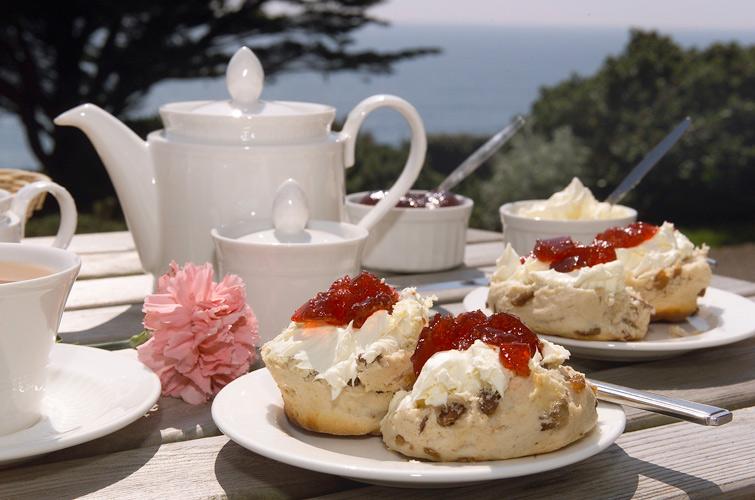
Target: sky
[[658, 14]]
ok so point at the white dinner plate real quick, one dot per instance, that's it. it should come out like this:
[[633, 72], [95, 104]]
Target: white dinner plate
[[90, 393], [249, 411], [723, 318]]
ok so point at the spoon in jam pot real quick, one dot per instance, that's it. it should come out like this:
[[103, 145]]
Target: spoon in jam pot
[[480, 155], [646, 165]]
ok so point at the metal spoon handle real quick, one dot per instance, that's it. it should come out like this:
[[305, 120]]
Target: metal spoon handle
[[481, 154], [647, 163], [690, 411]]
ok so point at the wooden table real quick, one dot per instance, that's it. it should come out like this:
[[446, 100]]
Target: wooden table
[[177, 451]]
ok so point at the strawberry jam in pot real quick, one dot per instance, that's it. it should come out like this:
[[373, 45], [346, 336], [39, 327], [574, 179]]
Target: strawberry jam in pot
[[425, 199], [347, 300], [516, 343], [628, 236]]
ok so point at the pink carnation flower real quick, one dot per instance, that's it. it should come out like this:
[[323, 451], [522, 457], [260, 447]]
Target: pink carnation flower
[[203, 333]]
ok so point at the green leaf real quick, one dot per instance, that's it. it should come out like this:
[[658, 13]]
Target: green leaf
[[140, 338]]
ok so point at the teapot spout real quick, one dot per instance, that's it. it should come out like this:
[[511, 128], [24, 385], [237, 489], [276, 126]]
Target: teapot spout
[[129, 164]]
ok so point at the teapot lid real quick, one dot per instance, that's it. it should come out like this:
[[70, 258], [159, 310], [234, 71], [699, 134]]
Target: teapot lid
[[245, 118]]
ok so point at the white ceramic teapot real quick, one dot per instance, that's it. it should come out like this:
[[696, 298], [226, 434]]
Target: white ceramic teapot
[[217, 163]]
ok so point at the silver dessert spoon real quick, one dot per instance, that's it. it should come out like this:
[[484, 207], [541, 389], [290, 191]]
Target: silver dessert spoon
[[690, 411], [480, 155], [651, 159]]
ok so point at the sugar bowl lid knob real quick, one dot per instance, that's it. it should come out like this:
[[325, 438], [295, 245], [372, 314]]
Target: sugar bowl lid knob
[[244, 77], [290, 209]]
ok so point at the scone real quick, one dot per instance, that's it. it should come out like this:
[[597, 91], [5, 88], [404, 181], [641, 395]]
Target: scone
[[591, 302], [489, 390], [663, 266], [345, 354]]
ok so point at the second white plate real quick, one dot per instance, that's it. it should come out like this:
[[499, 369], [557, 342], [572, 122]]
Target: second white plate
[[723, 318], [249, 410]]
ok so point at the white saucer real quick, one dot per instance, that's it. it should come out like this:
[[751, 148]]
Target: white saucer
[[90, 393], [249, 410], [723, 318]]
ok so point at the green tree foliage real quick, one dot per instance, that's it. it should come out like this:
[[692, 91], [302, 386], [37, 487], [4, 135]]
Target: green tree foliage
[[598, 127], [533, 168], [635, 98], [60, 54]]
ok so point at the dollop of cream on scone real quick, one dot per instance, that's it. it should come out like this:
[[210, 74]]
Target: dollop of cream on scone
[[335, 353], [466, 406], [589, 303], [466, 373], [665, 249], [668, 271]]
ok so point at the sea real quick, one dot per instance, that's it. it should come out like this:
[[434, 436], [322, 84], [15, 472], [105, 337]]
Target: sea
[[483, 76]]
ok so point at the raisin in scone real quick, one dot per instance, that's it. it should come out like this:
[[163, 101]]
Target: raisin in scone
[[663, 266], [488, 389], [585, 299], [346, 353]]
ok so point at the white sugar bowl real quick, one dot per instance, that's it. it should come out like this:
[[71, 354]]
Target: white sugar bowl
[[287, 260]]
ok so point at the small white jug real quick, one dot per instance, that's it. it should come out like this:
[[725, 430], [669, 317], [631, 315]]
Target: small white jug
[[13, 209]]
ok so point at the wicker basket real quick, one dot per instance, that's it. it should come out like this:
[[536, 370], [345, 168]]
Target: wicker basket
[[12, 180]]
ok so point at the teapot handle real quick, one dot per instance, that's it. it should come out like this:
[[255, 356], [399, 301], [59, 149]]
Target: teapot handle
[[414, 162], [26, 195]]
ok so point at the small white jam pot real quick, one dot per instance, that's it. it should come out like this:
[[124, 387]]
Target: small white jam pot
[[414, 240], [287, 260]]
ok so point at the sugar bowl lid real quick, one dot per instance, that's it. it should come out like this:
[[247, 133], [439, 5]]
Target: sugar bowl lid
[[245, 118], [292, 225]]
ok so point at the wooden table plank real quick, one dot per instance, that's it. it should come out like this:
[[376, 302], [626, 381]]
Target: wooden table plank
[[101, 324], [724, 376], [107, 306], [109, 291], [483, 254], [109, 264], [728, 380], [674, 461], [115, 241], [679, 460], [482, 236], [199, 468]]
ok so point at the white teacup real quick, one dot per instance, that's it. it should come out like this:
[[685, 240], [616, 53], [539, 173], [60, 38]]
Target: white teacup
[[30, 312], [13, 209]]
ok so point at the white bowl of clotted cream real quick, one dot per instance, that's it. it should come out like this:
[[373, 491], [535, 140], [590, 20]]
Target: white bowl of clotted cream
[[573, 211]]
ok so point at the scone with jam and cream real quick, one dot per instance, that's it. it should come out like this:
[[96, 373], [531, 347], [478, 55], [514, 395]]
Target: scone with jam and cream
[[345, 354], [569, 290], [487, 389], [663, 266]]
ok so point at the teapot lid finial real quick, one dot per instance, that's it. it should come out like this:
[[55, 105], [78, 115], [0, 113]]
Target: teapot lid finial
[[244, 77]]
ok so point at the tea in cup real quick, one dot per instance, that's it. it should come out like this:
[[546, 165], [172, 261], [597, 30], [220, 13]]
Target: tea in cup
[[14, 207], [34, 284]]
